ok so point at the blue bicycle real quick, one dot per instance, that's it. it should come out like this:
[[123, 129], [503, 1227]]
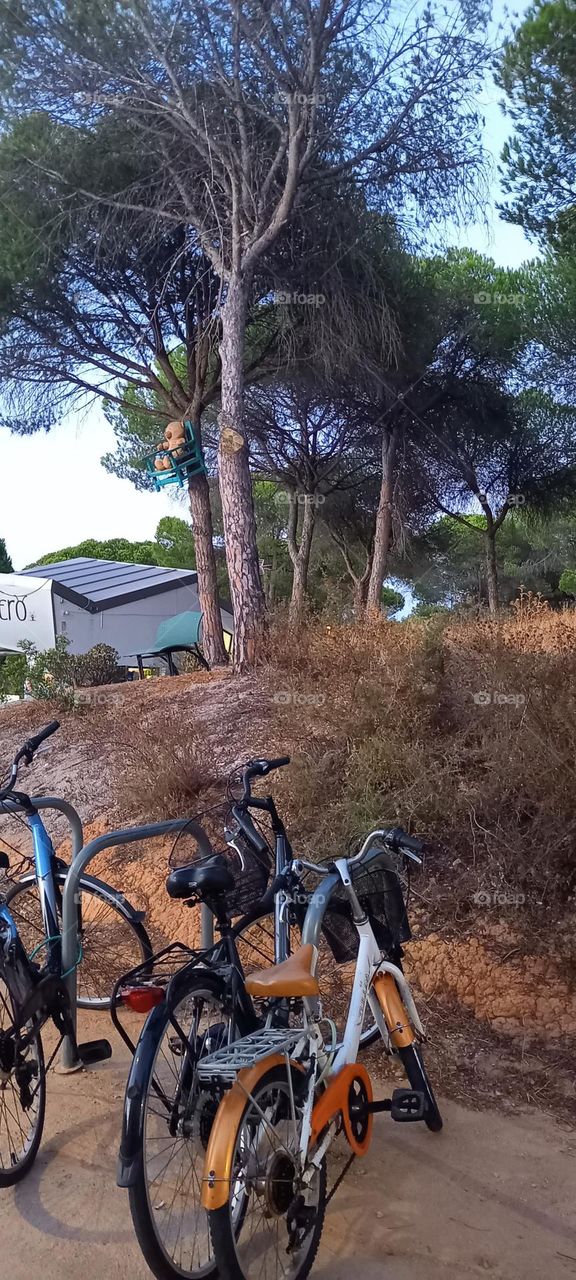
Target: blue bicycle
[[33, 988]]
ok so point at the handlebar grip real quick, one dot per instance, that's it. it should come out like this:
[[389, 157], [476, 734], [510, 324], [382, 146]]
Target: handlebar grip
[[277, 764], [402, 840], [31, 745]]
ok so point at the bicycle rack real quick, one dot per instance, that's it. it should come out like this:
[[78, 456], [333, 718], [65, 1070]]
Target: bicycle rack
[[82, 855]]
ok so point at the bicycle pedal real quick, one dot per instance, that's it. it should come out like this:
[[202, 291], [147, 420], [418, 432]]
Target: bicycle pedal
[[94, 1051], [407, 1104]]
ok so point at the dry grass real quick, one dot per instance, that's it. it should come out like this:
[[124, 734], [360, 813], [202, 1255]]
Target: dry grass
[[164, 773], [464, 731]]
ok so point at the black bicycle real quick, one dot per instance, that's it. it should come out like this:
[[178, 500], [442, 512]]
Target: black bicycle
[[197, 1002], [33, 987]]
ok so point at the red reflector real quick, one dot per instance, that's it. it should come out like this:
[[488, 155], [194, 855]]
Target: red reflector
[[142, 999]]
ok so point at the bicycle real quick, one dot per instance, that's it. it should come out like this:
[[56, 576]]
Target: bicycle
[[31, 993], [284, 1092], [203, 1003]]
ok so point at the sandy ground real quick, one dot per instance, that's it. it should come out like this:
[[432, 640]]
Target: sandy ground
[[490, 1195]]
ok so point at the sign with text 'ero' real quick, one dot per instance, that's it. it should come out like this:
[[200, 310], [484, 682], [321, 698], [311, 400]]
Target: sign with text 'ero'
[[26, 612]]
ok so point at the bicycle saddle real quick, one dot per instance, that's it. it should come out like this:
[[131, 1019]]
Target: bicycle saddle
[[293, 977], [212, 875]]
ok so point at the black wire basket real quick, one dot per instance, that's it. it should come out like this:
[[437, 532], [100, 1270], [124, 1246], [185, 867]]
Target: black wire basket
[[251, 869], [379, 891]]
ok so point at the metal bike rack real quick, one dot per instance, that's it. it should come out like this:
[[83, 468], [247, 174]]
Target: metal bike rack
[[76, 841], [82, 856]]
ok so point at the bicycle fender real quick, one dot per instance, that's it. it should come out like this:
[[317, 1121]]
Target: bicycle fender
[[130, 1153], [391, 1004], [220, 1149]]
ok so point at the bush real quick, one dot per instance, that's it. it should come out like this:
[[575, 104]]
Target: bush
[[13, 672], [165, 774], [567, 582], [50, 675], [98, 666], [54, 674]]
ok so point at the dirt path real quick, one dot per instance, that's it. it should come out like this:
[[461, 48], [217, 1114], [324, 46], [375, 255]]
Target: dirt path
[[490, 1196]]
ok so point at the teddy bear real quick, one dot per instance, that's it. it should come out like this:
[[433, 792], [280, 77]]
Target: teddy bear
[[175, 437]]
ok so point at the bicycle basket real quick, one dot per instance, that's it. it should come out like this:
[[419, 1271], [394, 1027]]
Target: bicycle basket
[[251, 870], [380, 895]]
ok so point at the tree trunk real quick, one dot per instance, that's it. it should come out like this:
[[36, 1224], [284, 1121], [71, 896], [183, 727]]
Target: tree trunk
[[491, 569], [383, 530], [236, 485], [212, 637], [360, 597], [300, 555]]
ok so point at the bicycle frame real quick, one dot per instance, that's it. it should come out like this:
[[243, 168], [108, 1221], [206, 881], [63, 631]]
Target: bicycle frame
[[369, 964], [283, 856], [14, 963], [44, 864]]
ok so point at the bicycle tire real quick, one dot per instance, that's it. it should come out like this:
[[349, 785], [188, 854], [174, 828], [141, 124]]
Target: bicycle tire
[[96, 974], [225, 1230], [10, 1175], [145, 1207]]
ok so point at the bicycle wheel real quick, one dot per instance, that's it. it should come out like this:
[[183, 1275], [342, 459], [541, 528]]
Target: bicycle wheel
[[22, 1097], [413, 1064], [112, 941], [271, 1224], [173, 1114], [256, 951]]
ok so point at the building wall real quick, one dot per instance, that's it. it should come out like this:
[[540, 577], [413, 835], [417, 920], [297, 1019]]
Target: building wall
[[129, 628]]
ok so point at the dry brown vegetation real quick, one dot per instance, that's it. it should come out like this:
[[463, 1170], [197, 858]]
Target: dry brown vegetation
[[384, 725], [464, 731]]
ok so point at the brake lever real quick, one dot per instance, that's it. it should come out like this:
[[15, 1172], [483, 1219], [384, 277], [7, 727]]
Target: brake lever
[[415, 857]]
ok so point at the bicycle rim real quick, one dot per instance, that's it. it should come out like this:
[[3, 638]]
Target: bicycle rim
[[111, 943], [270, 1229]]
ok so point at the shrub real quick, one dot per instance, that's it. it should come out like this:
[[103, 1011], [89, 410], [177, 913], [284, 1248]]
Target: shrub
[[13, 672], [53, 674], [164, 774], [50, 674], [568, 582], [98, 666]]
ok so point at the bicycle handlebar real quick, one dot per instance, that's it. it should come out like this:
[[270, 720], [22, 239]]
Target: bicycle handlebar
[[26, 753], [395, 837], [259, 769], [31, 745]]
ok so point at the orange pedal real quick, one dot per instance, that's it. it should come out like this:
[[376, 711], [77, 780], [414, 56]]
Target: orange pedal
[[349, 1095]]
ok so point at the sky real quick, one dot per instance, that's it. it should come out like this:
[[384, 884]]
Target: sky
[[55, 492]]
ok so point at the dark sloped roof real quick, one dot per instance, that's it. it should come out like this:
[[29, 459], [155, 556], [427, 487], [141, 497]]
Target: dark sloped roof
[[102, 584]]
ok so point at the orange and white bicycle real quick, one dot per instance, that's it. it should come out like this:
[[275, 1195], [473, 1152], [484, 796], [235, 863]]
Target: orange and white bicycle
[[287, 1091]]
